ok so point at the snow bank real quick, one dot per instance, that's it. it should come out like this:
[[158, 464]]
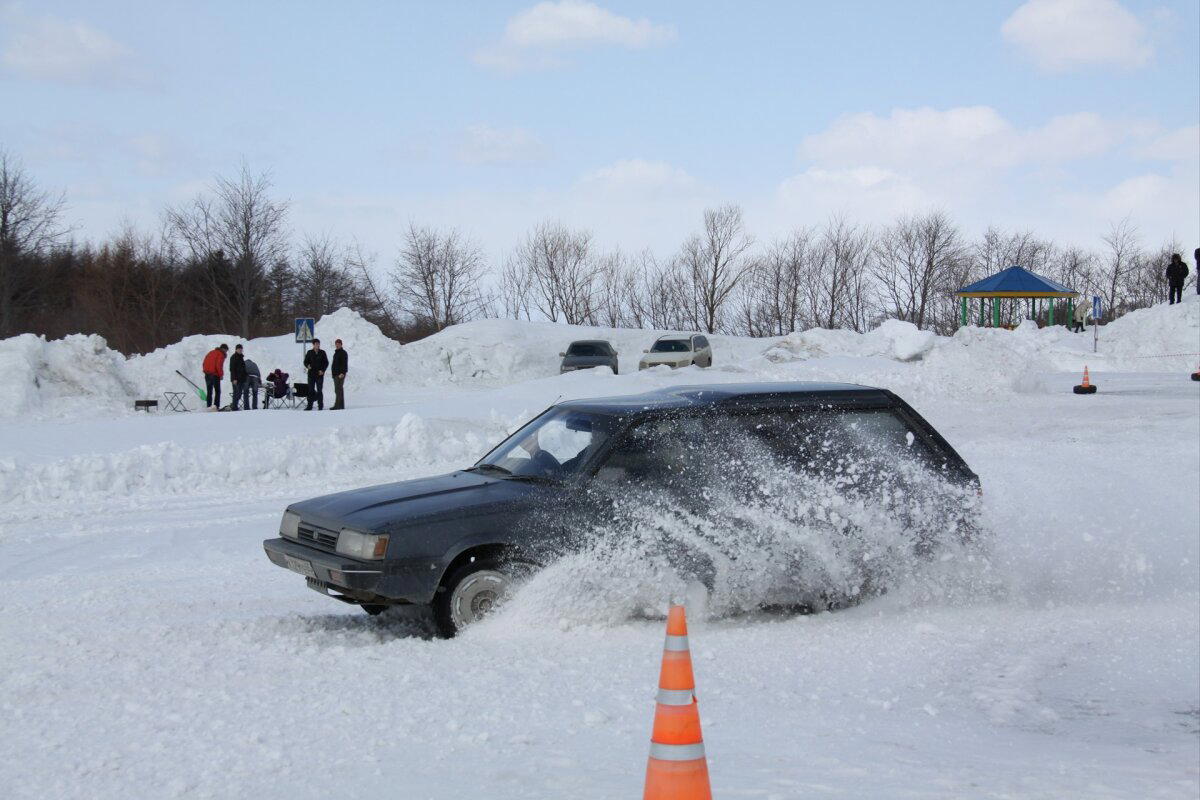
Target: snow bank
[[79, 375], [338, 457]]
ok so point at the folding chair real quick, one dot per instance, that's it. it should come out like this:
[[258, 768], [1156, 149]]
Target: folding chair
[[175, 401], [299, 392]]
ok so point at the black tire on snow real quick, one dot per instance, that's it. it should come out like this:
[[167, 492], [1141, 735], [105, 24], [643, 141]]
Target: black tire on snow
[[1085, 389], [442, 619]]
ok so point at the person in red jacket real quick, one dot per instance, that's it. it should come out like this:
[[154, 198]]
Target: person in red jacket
[[214, 370]]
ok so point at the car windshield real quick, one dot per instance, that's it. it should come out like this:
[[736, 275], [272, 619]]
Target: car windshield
[[553, 446], [586, 349], [670, 346]]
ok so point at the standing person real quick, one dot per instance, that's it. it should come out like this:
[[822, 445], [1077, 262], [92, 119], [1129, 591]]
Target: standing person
[[253, 384], [1080, 317], [1196, 258], [237, 376], [1177, 273], [341, 363], [214, 371], [316, 362]]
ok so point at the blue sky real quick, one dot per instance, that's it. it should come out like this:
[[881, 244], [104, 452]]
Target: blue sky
[[1060, 116]]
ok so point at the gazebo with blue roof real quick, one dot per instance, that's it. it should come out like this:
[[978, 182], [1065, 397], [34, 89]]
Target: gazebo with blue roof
[[1015, 283]]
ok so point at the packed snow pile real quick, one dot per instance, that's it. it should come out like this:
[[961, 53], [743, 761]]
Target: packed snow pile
[[66, 375], [80, 376]]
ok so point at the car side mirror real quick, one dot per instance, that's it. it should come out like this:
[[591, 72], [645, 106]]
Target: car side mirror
[[645, 351], [562, 355]]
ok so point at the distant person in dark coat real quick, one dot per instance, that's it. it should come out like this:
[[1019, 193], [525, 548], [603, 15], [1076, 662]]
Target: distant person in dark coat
[[1196, 258], [1177, 273], [237, 375], [341, 363], [277, 387], [214, 371], [316, 362], [253, 384]]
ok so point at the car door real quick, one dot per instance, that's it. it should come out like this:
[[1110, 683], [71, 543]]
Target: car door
[[703, 351]]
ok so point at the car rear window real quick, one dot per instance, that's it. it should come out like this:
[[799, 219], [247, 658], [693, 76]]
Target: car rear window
[[587, 349]]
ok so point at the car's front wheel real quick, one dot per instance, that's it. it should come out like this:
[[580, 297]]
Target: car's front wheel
[[473, 591]]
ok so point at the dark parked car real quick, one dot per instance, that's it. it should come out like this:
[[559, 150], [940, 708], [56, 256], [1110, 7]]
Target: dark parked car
[[587, 354], [456, 541]]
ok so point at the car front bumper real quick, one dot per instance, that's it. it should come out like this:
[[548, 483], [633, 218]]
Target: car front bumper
[[388, 581]]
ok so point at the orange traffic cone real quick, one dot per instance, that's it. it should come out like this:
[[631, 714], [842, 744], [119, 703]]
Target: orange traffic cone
[[1087, 387], [677, 769]]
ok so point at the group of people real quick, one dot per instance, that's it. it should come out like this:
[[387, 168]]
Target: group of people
[[247, 379]]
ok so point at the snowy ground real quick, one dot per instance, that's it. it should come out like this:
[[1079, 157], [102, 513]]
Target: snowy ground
[[150, 650]]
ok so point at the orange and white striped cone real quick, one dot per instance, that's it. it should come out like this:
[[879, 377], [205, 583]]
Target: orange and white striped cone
[[677, 769], [1087, 387]]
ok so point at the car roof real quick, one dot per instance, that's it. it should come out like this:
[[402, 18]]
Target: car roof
[[670, 336], [589, 341], [734, 395]]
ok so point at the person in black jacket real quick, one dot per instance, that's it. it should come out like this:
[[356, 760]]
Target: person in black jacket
[[1177, 273], [341, 362], [237, 376], [1196, 258], [316, 362]]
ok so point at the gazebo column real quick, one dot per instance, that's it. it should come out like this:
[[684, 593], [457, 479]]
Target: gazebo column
[[995, 312], [1051, 319], [964, 312], [982, 305]]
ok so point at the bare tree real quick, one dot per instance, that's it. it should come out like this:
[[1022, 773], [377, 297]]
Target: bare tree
[[437, 277], [1124, 259], [837, 290], [772, 302], [912, 260], [238, 234], [325, 279], [716, 261], [555, 265], [30, 226]]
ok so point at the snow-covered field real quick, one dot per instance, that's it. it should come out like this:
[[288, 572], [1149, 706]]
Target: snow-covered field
[[150, 650]]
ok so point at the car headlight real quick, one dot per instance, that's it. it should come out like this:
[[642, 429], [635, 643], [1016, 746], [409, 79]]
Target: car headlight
[[289, 526], [368, 546]]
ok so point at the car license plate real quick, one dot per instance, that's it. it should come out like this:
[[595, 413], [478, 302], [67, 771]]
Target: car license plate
[[300, 565]]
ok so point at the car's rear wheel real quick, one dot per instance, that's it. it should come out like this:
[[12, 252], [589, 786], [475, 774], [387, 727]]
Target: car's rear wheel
[[473, 591]]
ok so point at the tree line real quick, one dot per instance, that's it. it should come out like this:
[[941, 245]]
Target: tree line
[[228, 261]]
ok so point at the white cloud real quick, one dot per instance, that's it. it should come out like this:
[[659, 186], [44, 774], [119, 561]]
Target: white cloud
[[1060, 35], [973, 139], [1182, 144], [65, 51], [1071, 173], [536, 37], [641, 178], [485, 144], [860, 192]]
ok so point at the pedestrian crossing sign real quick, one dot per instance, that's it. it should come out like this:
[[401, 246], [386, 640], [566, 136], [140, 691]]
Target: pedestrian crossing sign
[[306, 328]]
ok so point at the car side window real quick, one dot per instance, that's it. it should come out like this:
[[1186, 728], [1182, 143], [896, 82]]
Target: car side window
[[701, 343], [654, 453], [836, 442]]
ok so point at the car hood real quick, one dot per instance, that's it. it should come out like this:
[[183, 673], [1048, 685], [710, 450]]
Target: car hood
[[391, 505], [666, 358], [587, 361]]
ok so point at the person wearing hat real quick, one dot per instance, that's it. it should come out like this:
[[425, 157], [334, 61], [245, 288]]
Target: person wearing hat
[[237, 376], [214, 371], [1177, 273], [341, 363], [315, 364]]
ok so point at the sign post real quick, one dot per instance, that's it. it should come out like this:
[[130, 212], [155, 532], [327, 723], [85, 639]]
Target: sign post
[[1097, 308], [306, 331]]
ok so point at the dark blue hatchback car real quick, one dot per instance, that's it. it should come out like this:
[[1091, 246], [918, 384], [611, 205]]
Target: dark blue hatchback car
[[456, 542]]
